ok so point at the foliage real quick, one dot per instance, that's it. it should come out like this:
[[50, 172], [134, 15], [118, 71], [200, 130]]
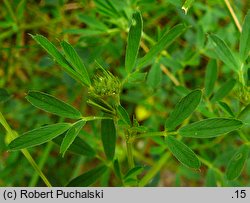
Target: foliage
[[120, 93]]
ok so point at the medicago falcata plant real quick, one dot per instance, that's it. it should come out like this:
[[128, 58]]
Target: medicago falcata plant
[[199, 119]]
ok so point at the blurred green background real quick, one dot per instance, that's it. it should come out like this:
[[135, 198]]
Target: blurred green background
[[98, 31]]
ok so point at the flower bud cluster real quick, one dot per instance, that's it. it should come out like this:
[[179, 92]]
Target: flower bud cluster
[[105, 84]]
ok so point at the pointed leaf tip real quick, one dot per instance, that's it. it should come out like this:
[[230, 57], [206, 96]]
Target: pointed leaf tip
[[71, 135], [38, 136], [52, 105], [75, 61], [224, 52], [133, 42], [211, 127]]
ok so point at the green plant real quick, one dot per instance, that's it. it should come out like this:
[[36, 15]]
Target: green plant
[[210, 117]]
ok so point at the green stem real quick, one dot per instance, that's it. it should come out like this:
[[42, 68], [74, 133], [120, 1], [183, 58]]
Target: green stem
[[91, 118], [155, 134], [129, 146], [208, 145], [7, 34], [241, 75], [147, 38], [37, 169], [209, 105], [41, 163], [77, 169], [25, 27], [210, 165], [154, 170], [9, 8], [147, 160], [243, 137], [113, 31], [24, 151]]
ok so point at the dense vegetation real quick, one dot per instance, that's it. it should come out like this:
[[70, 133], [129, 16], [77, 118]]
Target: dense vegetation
[[124, 93]]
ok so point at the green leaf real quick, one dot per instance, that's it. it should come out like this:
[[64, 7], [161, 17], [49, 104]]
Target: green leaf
[[79, 146], [165, 41], [117, 169], [200, 36], [85, 32], [211, 127], [53, 105], [76, 62], [38, 136], [92, 22], [136, 78], [182, 152], [224, 52], [211, 178], [187, 5], [4, 95], [123, 114], [101, 104], [108, 134], [224, 106], [244, 115], [51, 49], [133, 44], [88, 178], [58, 57], [224, 90], [132, 173], [245, 38], [183, 109], [154, 76], [211, 77], [236, 164], [181, 90], [107, 8], [71, 135], [20, 9]]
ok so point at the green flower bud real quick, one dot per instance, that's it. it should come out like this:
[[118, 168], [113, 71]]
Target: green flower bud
[[105, 83], [105, 91]]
